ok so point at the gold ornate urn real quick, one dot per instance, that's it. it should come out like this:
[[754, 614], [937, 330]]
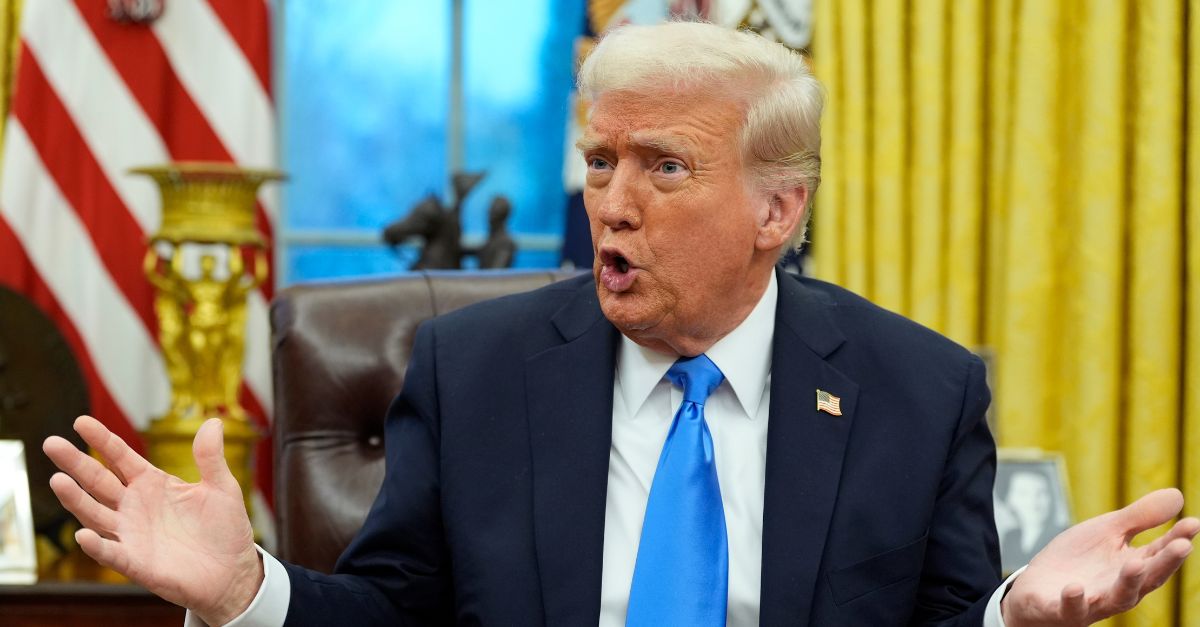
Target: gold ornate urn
[[203, 261]]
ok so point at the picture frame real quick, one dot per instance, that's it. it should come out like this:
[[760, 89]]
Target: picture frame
[[1032, 503], [18, 553]]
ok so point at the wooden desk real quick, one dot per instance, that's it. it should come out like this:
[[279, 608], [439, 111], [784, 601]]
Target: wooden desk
[[58, 604]]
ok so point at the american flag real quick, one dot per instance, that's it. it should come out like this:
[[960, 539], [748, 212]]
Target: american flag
[[829, 403], [93, 98]]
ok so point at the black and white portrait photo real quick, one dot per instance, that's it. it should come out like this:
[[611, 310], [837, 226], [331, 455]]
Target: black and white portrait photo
[[1031, 504]]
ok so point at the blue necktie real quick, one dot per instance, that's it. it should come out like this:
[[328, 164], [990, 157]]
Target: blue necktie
[[682, 571]]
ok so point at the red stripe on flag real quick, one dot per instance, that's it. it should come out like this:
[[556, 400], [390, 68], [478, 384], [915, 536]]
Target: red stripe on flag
[[139, 58], [118, 238], [19, 273], [249, 23]]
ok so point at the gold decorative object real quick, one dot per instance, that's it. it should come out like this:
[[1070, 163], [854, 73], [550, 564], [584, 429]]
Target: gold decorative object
[[203, 261]]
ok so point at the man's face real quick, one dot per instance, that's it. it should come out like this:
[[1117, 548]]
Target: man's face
[[1029, 497], [673, 218]]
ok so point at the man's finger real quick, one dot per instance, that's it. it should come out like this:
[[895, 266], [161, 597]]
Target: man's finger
[[1072, 604], [1165, 563], [1149, 511], [93, 515], [124, 461], [91, 475], [107, 552], [209, 450], [1127, 591], [1186, 529]]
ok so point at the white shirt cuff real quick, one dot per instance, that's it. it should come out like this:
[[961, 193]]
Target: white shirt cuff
[[269, 607], [991, 614]]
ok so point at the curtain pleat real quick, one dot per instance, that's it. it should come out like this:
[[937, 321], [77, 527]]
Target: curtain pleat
[[1155, 281], [1189, 593], [889, 154], [1093, 297], [855, 236], [1025, 362], [964, 255], [828, 259], [929, 170]]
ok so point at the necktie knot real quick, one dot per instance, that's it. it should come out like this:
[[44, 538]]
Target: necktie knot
[[698, 376]]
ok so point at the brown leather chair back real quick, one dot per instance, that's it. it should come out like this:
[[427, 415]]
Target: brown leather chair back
[[339, 354]]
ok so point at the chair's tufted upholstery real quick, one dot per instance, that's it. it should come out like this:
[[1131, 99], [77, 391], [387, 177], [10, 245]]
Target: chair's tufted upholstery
[[340, 351]]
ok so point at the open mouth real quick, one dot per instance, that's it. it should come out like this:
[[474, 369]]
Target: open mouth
[[617, 273]]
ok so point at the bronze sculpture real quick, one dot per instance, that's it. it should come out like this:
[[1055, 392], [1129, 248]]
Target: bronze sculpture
[[440, 230]]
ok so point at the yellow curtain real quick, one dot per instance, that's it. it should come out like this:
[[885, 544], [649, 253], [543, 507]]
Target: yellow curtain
[[1024, 176], [10, 44]]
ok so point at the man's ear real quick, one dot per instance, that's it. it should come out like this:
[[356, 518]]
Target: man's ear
[[782, 217]]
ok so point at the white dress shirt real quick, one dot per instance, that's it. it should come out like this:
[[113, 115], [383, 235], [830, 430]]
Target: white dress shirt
[[644, 404]]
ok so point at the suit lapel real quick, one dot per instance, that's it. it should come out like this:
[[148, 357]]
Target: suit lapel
[[804, 453], [569, 389]]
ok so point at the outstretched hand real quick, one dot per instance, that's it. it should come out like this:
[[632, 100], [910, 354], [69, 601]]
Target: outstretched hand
[[1090, 572], [190, 543]]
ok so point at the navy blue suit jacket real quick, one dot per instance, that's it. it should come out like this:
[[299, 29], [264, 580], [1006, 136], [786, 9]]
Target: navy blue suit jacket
[[492, 509]]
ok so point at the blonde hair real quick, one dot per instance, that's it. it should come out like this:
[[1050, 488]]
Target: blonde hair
[[781, 136]]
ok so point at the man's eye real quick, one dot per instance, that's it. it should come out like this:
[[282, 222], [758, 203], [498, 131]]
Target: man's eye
[[597, 163], [671, 167]]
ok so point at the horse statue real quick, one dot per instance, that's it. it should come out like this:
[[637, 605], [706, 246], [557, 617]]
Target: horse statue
[[440, 229]]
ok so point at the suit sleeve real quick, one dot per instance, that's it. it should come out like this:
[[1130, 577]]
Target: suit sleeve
[[397, 570], [962, 557]]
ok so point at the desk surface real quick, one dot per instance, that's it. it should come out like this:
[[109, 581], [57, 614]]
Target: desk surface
[[84, 604]]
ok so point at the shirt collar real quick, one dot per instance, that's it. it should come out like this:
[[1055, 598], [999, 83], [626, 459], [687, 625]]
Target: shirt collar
[[743, 355]]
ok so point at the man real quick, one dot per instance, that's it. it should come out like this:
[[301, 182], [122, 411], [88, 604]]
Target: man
[[692, 439], [1028, 511]]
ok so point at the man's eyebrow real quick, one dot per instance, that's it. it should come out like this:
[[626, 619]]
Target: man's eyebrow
[[654, 141], [663, 143], [588, 144]]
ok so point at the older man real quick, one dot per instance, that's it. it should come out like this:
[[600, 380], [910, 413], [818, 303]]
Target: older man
[[692, 438]]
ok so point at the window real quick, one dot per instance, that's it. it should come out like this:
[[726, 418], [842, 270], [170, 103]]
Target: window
[[368, 126]]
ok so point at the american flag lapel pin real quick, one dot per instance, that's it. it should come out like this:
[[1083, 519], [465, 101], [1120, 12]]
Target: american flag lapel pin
[[829, 403]]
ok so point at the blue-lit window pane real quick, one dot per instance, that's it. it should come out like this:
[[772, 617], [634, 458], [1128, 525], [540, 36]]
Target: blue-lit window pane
[[365, 109], [518, 58], [318, 263], [365, 105]]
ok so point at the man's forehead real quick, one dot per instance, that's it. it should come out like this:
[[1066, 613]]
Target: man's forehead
[[662, 139], [670, 120]]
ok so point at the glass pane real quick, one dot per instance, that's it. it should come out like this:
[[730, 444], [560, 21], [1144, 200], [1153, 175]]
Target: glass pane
[[318, 263], [324, 263], [517, 77], [364, 109]]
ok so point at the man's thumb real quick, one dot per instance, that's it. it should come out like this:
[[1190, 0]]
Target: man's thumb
[[1150, 511], [209, 450]]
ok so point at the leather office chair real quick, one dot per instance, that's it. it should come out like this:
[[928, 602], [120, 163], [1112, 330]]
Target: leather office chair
[[339, 355]]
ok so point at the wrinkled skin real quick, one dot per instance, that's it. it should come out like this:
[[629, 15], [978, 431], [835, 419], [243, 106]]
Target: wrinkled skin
[[1090, 572], [190, 543], [668, 190]]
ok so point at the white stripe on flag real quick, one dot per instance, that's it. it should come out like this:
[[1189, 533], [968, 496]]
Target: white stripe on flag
[[257, 361], [126, 357], [211, 66], [111, 121]]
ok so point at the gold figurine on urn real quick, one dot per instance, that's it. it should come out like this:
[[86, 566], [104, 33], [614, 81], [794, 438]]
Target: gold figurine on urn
[[205, 259]]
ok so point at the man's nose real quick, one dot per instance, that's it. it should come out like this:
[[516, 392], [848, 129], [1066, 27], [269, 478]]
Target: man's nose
[[620, 208]]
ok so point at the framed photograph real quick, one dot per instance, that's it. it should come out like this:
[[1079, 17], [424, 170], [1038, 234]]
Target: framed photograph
[[1032, 503], [18, 557]]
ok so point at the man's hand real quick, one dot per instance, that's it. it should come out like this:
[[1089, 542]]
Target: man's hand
[[1090, 572], [190, 543]]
